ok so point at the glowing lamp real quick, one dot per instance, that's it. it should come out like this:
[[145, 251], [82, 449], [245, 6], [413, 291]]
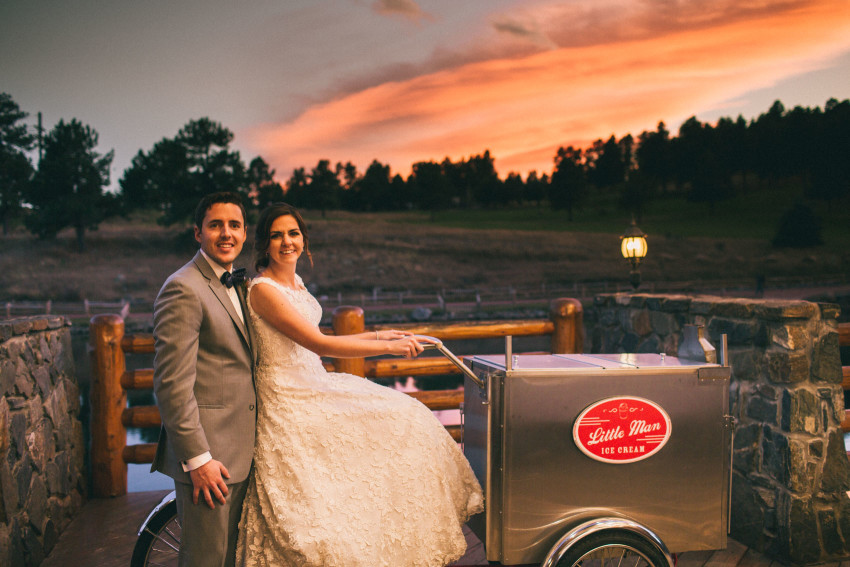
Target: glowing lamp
[[633, 248]]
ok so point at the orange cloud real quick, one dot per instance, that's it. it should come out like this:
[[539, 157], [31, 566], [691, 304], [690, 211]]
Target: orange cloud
[[523, 108]]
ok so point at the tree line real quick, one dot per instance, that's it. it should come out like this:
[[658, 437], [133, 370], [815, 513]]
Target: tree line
[[704, 162]]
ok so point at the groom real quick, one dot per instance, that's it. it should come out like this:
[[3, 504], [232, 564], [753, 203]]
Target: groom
[[203, 381]]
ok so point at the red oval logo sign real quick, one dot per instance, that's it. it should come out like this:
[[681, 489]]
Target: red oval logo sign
[[622, 430]]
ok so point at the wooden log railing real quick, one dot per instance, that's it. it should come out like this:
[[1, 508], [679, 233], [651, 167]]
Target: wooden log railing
[[111, 380], [844, 341]]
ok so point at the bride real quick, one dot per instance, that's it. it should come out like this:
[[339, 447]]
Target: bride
[[346, 472]]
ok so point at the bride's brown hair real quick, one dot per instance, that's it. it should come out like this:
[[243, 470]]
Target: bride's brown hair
[[262, 236]]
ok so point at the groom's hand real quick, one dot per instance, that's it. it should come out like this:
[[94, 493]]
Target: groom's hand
[[209, 480]]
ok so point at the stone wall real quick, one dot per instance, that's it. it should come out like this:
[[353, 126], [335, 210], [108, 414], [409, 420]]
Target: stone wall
[[791, 473], [42, 478]]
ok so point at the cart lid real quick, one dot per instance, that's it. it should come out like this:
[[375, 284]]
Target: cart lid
[[566, 362]]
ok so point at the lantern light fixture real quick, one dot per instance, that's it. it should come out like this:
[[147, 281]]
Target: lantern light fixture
[[633, 247]]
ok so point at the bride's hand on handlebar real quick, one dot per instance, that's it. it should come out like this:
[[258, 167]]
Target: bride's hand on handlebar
[[393, 334], [408, 346]]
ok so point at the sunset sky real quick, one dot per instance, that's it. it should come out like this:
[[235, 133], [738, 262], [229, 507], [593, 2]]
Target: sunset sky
[[402, 81]]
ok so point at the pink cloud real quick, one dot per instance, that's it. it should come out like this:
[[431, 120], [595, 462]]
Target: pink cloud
[[522, 108], [404, 8]]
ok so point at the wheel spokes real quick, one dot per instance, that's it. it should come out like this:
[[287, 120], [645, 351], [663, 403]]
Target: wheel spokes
[[166, 546]]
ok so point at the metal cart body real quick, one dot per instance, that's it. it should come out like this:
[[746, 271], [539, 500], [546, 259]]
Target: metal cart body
[[666, 477]]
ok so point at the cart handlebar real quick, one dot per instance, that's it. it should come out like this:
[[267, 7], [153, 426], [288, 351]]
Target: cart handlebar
[[429, 343]]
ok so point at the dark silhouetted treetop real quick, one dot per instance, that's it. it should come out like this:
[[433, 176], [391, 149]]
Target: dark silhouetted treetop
[[262, 187], [178, 172], [568, 187], [68, 189], [15, 167]]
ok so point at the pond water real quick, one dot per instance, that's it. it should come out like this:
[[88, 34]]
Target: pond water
[[139, 477]]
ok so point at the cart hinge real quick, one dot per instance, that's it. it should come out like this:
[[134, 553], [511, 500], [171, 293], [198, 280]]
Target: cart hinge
[[729, 423]]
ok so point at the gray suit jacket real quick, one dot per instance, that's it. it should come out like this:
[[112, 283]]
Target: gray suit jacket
[[203, 374]]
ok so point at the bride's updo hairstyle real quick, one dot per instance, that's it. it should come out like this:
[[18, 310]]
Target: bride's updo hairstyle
[[262, 236]]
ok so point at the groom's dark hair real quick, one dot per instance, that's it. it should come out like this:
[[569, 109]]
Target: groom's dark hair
[[220, 197]]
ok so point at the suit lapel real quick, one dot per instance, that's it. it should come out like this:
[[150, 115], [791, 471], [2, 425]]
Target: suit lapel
[[220, 292], [241, 291]]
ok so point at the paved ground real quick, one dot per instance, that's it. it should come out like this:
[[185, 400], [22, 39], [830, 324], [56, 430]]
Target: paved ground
[[104, 534]]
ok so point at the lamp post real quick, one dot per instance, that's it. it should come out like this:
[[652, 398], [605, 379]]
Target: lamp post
[[633, 247]]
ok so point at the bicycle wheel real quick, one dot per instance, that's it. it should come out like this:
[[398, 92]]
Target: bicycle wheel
[[613, 548], [159, 544]]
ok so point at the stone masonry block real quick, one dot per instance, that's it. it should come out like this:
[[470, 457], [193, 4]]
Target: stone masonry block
[[733, 308], [21, 326], [816, 448], [650, 344], [14, 347], [800, 412], [829, 311], [611, 341], [826, 359], [844, 516], [790, 337], [669, 303], [786, 367], [663, 323], [41, 375], [745, 364], [629, 342], [836, 468], [804, 544], [701, 306], [44, 348], [670, 344], [737, 332], [762, 410], [7, 377], [748, 513], [832, 542], [641, 323], [776, 459], [800, 477], [607, 317], [778, 310]]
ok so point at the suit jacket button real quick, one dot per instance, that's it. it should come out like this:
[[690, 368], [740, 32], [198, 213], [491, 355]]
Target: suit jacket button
[[251, 407]]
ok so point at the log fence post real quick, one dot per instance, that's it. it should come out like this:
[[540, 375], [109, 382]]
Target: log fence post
[[567, 315], [348, 320], [108, 400]]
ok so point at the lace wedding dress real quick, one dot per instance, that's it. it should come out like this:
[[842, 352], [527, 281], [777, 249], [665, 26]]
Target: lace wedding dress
[[346, 472]]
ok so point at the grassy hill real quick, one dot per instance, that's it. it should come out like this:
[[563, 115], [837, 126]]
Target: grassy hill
[[355, 252]]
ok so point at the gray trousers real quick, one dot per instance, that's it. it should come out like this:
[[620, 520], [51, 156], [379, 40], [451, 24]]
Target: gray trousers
[[209, 535]]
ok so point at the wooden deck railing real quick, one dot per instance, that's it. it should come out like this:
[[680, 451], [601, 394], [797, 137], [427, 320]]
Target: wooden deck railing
[[111, 417], [844, 341]]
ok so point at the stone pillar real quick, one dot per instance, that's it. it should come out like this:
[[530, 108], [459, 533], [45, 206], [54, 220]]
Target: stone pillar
[[791, 473], [42, 456]]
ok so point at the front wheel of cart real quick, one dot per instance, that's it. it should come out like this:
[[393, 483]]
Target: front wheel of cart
[[159, 542], [607, 549]]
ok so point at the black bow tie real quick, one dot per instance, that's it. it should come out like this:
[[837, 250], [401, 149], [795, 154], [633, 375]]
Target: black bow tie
[[237, 277]]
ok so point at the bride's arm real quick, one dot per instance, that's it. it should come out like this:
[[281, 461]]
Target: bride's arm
[[387, 335], [270, 304]]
